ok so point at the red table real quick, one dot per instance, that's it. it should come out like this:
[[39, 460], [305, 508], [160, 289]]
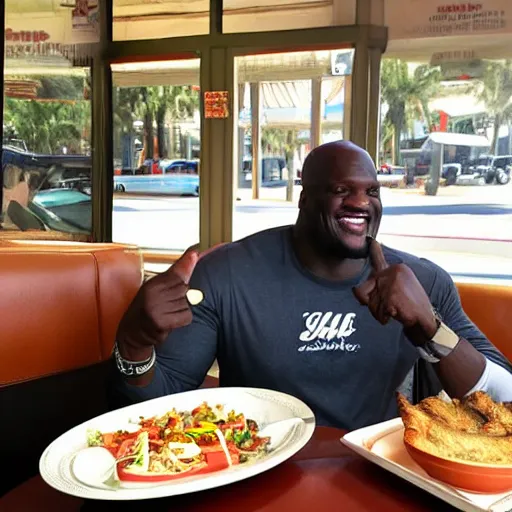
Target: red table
[[323, 476]]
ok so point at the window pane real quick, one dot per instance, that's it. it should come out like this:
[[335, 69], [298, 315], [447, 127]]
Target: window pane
[[300, 101], [446, 160], [46, 147], [254, 16], [156, 154], [139, 19]]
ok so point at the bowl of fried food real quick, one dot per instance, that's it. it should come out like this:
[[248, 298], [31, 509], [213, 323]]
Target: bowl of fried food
[[464, 443]]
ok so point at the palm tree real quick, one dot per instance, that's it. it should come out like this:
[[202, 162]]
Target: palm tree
[[407, 96], [495, 92], [151, 104], [149, 138], [281, 140], [62, 87], [50, 126], [127, 106], [175, 102]]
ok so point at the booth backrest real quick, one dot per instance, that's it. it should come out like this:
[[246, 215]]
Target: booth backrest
[[60, 306], [490, 308]]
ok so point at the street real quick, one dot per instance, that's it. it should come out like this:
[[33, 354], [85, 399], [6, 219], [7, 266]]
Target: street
[[466, 230]]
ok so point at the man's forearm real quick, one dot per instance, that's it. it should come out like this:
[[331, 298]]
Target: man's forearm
[[460, 371]]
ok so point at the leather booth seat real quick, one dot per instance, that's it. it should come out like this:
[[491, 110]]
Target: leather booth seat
[[490, 308], [60, 306]]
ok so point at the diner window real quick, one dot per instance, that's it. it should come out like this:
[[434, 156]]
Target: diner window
[[156, 154], [445, 155], [136, 19], [268, 15], [290, 103], [46, 146]]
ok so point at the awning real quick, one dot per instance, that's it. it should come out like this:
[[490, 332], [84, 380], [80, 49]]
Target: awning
[[456, 106], [459, 139]]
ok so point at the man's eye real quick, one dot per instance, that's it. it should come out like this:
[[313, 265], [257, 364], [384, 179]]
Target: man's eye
[[340, 190], [374, 192]]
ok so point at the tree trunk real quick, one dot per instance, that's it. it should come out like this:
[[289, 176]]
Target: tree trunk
[[436, 164], [495, 134], [160, 134], [127, 149], [509, 137], [289, 164], [397, 129], [148, 134]]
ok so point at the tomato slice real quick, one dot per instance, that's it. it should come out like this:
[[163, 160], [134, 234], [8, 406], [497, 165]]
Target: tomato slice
[[234, 425], [215, 461], [217, 448], [125, 447]]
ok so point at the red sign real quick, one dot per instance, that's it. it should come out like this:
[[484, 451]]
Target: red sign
[[216, 105], [26, 36], [464, 7]]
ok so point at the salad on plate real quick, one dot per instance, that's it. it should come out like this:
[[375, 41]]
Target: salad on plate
[[179, 444]]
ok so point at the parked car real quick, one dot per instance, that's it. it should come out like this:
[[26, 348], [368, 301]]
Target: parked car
[[63, 209], [181, 177], [50, 171], [493, 169], [458, 149]]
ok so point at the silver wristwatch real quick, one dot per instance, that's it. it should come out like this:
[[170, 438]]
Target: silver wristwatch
[[442, 343], [133, 368]]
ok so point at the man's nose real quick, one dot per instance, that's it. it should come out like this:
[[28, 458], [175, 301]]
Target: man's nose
[[357, 199]]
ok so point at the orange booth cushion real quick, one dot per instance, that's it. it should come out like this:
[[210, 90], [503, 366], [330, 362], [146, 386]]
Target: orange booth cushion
[[61, 304], [490, 308]]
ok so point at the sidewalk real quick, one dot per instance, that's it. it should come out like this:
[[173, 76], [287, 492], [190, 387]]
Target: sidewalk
[[461, 258]]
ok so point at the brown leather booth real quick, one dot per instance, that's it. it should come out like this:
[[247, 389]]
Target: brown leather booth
[[490, 308], [60, 305]]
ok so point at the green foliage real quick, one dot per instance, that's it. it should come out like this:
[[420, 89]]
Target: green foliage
[[407, 95], [494, 90], [47, 127], [157, 104]]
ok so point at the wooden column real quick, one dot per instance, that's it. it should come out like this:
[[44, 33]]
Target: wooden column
[[316, 112], [374, 105], [256, 139], [216, 181], [347, 107], [102, 174], [240, 136]]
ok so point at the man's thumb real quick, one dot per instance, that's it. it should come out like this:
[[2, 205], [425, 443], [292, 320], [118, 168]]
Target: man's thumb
[[185, 266]]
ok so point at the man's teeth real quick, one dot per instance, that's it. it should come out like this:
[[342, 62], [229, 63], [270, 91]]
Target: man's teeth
[[354, 220]]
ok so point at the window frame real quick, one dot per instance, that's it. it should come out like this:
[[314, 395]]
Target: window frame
[[217, 51]]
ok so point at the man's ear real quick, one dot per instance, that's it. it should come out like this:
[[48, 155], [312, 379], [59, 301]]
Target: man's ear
[[302, 199]]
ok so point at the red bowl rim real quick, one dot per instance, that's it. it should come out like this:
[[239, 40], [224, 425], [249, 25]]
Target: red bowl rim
[[460, 462]]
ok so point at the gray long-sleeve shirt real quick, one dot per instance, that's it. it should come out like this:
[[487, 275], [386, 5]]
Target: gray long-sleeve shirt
[[272, 324]]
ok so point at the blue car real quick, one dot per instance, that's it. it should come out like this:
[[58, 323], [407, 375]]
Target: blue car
[[179, 178]]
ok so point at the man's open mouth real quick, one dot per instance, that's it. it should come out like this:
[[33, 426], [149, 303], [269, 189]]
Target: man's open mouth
[[353, 223]]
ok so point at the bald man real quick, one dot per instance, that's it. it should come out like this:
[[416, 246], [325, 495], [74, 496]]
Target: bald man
[[318, 310]]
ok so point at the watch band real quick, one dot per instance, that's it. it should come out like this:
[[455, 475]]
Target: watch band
[[442, 343], [133, 368]]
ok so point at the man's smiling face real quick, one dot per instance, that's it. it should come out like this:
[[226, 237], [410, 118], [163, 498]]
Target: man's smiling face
[[340, 201]]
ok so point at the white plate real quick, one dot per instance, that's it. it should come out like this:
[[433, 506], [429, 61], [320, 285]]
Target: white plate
[[264, 406], [383, 444]]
